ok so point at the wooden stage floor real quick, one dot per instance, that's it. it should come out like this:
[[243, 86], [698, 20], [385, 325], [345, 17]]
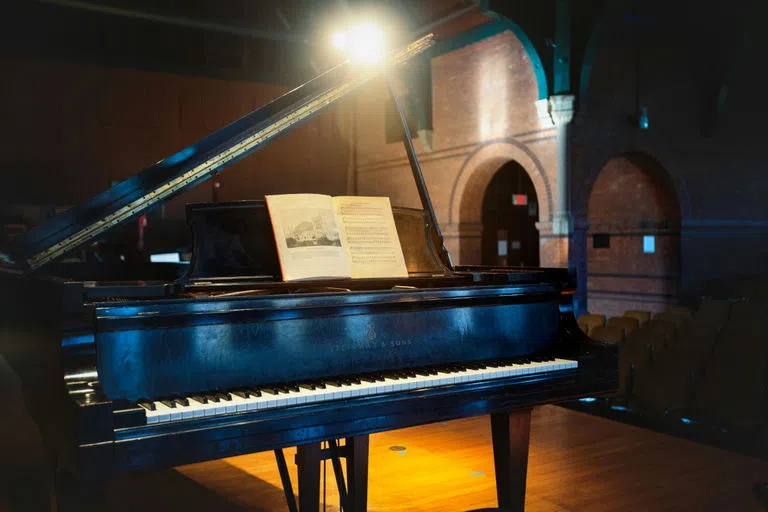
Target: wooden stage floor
[[577, 462]]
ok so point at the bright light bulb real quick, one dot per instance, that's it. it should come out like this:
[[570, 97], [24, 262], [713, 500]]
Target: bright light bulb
[[339, 40], [366, 43]]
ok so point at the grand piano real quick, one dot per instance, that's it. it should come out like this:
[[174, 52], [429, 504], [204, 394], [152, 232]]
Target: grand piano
[[146, 366]]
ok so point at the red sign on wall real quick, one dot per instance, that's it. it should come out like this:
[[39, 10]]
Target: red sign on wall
[[519, 199]]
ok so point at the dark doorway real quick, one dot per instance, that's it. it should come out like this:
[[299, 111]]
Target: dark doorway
[[510, 213]]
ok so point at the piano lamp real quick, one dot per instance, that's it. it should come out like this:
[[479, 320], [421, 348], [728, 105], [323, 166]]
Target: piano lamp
[[363, 43]]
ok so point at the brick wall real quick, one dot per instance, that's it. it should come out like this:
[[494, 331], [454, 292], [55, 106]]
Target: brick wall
[[712, 153], [484, 116], [631, 200]]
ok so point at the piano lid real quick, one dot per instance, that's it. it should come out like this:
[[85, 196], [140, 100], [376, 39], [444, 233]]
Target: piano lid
[[195, 164]]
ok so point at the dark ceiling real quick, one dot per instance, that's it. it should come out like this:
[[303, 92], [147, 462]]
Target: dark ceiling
[[283, 41]]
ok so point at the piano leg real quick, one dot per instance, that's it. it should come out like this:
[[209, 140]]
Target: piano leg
[[510, 433], [354, 495], [285, 478], [308, 457], [357, 473]]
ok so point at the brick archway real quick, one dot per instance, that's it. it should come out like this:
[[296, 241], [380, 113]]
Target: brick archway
[[469, 188], [632, 199]]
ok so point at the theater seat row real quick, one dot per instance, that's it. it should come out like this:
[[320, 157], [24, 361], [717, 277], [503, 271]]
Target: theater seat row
[[616, 329], [710, 363]]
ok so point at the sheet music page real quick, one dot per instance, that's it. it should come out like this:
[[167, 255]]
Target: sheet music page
[[370, 236], [308, 237]]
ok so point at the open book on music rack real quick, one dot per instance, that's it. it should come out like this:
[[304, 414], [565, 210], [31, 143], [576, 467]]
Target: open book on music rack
[[320, 236]]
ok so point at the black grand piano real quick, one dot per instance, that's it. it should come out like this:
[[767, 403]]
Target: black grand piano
[[137, 367]]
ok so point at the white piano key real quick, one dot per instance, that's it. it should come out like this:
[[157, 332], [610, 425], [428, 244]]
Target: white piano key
[[230, 406], [257, 402], [241, 404], [190, 410], [162, 413]]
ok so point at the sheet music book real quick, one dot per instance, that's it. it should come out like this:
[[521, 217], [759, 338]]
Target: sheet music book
[[320, 236]]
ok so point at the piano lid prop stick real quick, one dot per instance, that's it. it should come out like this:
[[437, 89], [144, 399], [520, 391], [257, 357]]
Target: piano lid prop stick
[[421, 186]]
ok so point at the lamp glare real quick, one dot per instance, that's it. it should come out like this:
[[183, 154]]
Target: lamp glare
[[364, 43], [339, 40]]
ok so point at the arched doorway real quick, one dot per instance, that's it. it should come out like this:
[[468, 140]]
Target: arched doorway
[[509, 216], [633, 240]]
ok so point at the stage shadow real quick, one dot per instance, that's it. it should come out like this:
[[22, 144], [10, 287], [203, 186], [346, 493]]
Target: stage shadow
[[226, 489]]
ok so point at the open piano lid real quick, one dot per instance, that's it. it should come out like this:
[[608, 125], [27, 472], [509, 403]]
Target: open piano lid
[[193, 165]]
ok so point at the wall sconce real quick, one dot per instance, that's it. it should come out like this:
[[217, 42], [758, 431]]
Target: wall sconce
[[642, 118]]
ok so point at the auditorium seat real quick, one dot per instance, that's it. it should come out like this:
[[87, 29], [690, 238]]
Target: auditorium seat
[[694, 343], [732, 392], [659, 386], [680, 311], [642, 317], [625, 323], [607, 334], [670, 382], [672, 318], [588, 322], [662, 329], [634, 356], [712, 312]]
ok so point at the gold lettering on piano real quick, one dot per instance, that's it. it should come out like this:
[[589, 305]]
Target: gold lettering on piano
[[372, 345]]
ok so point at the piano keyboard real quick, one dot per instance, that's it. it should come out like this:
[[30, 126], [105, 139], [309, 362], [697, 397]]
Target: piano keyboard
[[285, 395]]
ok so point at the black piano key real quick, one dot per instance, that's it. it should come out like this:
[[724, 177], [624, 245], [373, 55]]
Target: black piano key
[[308, 385], [355, 379], [180, 400], [254, 391], [294, 388], [212, 397], [225, 396], [269, 390], [368, 378], [146, 404], [242, 393], [201, 399], [168, 402]]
